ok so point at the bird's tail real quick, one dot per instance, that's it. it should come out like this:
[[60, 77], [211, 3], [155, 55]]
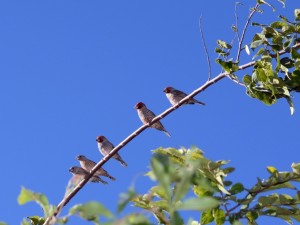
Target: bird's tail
[[167, 133], [121, 161], [200, 103], [103, 181], [110, 177], [98, 180]]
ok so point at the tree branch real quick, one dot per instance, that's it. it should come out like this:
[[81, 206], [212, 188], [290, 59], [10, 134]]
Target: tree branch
[[67, 198], [237, 21], [205, 48], [244, 31]]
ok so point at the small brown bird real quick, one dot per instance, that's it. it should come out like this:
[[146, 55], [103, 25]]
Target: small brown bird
[[88, 165], [176, 96], [82, 173], [146, 116], [105, 147]]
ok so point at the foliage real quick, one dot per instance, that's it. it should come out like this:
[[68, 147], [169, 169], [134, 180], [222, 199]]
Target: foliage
[[273, 76], [186, 180]]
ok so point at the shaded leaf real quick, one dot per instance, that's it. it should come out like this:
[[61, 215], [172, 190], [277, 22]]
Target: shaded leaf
[[159, 164], [236, 188]]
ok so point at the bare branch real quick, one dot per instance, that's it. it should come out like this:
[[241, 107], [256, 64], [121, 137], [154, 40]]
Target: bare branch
[[140, 130], [205, 48], [244, 31], [237, 22]]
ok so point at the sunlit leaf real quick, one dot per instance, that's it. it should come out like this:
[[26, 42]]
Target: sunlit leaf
[[36, 220], [27, 195], [207, 217], [223, 44], [296, 168], [297, 14], [90, 211], [201, 204], [219, 216], [125, 198]]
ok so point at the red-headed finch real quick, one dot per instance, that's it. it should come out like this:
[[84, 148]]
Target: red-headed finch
[[176, 96], [105, 147], [82, 173], [88, 165], [146, 116]]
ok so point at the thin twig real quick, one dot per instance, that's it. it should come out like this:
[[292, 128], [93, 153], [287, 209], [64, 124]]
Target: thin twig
[[237, 22], [140, 130], [244, 31], [205, 48]]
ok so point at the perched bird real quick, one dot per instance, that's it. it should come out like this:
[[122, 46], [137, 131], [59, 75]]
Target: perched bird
[[146, 116], [88, 165], [82, 173], [176, 96], [105, 147]]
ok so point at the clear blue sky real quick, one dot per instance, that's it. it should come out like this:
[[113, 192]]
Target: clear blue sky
[[72, 70]]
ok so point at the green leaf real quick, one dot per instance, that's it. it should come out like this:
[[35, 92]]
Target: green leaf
[[236, 188], [219, 216], [185, 183], [2, 223], [131, 219], [161, 204], [125, 198], [272, 169], [159, 167], [223, 44], [247, 79], [207, 217], [90, 211], [297, 14], [234, 28], [36, 220], [251, 216], [27, 195], [201, 204], [176, 219], [221, 52], [236, 222], [267, 200], [294, 54], [296, 168], [228, 66]]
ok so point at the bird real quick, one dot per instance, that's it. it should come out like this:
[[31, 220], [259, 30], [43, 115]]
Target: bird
[[146, 116], [105, 147], [176, 96], [82, 173], [88, 165]]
